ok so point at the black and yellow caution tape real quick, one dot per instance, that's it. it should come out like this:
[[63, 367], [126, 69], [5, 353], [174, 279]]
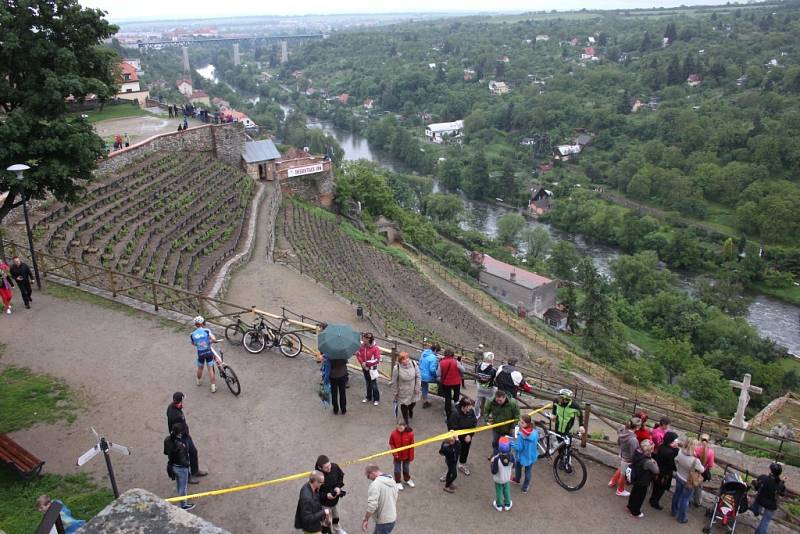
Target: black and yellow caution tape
[[296, 476]]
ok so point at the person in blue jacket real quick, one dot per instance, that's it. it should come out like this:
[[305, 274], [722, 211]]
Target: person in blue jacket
[[526, 447], [428, 365]]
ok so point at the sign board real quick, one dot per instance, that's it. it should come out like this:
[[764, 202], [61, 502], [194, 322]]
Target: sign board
[[308, 169]]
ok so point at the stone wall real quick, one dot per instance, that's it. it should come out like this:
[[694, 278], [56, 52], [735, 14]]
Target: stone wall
[[316, 188], [137, 511], [226, 141]]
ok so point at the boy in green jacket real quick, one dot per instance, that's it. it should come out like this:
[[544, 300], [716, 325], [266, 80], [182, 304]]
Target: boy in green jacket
[[501, 409]]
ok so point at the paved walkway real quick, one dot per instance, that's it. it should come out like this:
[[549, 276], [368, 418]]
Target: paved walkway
[[127, 367]]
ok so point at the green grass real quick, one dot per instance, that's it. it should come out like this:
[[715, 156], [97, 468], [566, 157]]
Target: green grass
[[789, 294], [29, 398], [120, 111], [17, 498], [643, 340]]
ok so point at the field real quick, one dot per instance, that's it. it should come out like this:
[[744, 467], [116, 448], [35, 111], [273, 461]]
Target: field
[[114, 112], [169, 219], [402, 300]]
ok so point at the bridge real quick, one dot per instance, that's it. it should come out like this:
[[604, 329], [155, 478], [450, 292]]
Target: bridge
[[186, 43]]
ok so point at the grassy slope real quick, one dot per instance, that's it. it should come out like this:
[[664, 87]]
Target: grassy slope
[[115, 112]]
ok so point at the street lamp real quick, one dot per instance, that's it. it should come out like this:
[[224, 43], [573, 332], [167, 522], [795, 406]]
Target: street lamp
[[19, 169]]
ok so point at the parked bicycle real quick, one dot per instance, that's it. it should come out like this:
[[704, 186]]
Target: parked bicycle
[[568, 469], [235, 332], [264, 334], [226, 373]]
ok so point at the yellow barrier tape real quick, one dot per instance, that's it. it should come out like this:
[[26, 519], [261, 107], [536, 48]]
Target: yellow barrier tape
[[296, 476]]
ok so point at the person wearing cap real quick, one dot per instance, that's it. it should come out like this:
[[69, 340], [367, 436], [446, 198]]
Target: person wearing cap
[[626, 438], [510, 379], [501, 409], [705, 453], [502, 467], [484, 379], [202, 338], [665, 458], [428, 369], [769, 488], [369, 356], [566, 411], [175, 415]]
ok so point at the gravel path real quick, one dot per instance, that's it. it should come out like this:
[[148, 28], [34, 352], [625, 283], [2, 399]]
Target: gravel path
[[128, 365]]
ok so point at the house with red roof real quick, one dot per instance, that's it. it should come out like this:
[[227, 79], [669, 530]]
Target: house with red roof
[[694, 80], [528, 292], [184, 86], [129, 88]]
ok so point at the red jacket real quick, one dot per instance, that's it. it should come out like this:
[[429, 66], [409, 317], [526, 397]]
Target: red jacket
[[643, 434], [449, 375], [401, 439], [369, 355]]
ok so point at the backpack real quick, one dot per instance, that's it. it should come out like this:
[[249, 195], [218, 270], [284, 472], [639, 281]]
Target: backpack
[[632, 472]]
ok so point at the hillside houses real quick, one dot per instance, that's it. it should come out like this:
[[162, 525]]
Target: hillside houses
[[129, 87], [498, 88], [694, 80], [442, 132]]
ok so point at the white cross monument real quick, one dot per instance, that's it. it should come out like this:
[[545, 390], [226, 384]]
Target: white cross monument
[[737, 434]]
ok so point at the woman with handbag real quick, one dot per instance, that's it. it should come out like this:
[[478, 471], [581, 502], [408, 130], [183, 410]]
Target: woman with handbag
[[704, 453], [406, 385], [689, 476], [369, 356]]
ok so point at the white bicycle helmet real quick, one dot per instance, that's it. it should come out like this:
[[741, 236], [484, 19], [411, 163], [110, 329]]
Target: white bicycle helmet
[[565, 393], [199, 320]]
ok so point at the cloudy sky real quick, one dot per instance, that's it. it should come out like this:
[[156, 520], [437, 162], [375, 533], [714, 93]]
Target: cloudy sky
[[159, 9]]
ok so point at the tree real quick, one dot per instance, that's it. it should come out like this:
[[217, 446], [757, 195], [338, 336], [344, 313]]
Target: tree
[[638, 276], [707, 391], [538, 243], [563, 259], [675, 356], [508, 227], [444, 207], [601, 332], [50, 50], [475, 184]]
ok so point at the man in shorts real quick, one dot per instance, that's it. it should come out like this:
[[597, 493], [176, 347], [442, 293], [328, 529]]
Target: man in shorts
[[202, 338]]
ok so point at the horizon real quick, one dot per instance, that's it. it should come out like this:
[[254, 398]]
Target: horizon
[[206, 10]]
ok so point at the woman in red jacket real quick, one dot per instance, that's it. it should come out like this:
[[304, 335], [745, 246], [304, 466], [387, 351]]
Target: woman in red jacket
[[402, 435], [369, 356], [450, 380]]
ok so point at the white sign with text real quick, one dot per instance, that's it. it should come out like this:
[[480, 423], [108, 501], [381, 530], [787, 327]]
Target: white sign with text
[[308, 169]]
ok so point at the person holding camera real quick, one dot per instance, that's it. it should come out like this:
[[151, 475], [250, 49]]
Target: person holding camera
[[330, 492], [310, 516]]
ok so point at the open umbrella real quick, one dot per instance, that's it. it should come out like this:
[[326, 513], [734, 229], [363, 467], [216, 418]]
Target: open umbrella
[[338, 341]]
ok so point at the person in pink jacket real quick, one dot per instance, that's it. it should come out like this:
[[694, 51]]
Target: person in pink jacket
[[704, 453], [369, 356]]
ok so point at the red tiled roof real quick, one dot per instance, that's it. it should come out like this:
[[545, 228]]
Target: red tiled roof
[[504, 270], [199, 93], [183, 80], [130, 70]]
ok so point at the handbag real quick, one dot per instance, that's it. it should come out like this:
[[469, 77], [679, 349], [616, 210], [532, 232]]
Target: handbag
[[373, 373], [695, 479]]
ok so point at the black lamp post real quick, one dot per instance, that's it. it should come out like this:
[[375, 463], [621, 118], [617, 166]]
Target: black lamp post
[[19, 169]]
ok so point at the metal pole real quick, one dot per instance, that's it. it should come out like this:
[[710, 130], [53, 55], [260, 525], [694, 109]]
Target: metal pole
[[30, 243], [104, 448]]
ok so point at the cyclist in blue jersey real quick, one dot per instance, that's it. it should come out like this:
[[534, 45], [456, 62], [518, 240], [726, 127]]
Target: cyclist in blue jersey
[[202, 338]]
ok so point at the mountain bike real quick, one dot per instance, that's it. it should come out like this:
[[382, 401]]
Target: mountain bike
[[235, 332], [264, 334], [226, 372], [568, 468]]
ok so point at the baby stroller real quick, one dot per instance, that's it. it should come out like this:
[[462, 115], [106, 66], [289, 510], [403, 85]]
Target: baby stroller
[[730, 501]]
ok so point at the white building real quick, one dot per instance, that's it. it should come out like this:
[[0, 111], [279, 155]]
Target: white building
[[439, 132], [185, 87]]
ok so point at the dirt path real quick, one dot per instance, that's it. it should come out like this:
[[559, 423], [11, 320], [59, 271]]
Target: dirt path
[[128, 367], [140, 128]]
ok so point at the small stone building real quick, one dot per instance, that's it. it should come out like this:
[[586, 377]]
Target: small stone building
[[516, 287], [306, 175], [260, 159], [388, 230]]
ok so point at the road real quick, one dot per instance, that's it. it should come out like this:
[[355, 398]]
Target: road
[[127, 367]]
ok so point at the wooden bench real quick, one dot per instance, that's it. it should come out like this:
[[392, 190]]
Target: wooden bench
[[24, 463]]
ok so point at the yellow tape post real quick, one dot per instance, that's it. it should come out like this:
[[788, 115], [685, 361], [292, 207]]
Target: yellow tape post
[[296, 476]]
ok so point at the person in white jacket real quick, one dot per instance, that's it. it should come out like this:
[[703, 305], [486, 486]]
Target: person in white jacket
[[381, 501]]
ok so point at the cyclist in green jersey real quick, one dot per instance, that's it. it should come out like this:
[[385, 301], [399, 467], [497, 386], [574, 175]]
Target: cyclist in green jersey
[[565, 412]]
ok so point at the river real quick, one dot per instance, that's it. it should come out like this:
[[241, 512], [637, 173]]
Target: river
[[772, 318]]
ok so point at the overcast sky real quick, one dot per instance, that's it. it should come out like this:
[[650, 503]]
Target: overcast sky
[[120, 10]]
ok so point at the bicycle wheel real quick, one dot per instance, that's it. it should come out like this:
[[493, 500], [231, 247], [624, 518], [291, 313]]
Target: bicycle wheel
[[254, 341], [231, 380], [234, 333], [290, 344], [569, 470]]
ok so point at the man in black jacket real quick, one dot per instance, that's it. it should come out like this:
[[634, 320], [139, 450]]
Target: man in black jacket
[[331, 491], [769, 487], [310, 517], [175, 415], [23, 277]]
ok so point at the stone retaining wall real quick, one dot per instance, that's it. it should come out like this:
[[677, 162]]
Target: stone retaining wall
[[315, 188], [226, 141]]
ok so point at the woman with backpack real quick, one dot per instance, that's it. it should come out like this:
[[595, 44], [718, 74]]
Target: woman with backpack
[[665, 458], [643, 470], [406, 385]]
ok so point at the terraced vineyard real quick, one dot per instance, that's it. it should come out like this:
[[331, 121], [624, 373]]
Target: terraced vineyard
[[170, 219], [406, 303]]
